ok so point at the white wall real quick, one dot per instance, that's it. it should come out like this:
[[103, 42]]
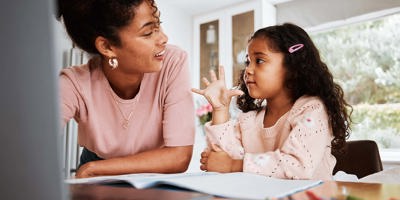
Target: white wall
[[177, 24], [62, 43], [311, 13]]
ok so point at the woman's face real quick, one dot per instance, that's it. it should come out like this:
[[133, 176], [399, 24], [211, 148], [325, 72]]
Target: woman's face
[[265, 73], [142, 43]]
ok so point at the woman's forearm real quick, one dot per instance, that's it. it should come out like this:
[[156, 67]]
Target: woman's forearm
[[163, 160]]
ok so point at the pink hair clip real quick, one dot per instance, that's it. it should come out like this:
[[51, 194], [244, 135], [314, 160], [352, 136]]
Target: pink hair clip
[[295, 47]]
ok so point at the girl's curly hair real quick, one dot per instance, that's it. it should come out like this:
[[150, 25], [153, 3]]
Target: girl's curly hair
[[86, 20], [306, 74]]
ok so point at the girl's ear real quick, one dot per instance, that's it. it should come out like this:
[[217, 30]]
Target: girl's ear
[[104, 47]]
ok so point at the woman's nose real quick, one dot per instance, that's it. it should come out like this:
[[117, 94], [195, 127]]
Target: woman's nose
[[163, 38]]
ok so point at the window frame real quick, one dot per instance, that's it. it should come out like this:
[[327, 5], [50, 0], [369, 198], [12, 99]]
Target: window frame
[[390, 156]]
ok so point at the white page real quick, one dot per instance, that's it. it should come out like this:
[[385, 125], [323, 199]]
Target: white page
[[140, 180], [111, 179], [230, 185]]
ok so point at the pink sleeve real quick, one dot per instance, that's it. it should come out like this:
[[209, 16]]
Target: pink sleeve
[[225, 137], [178, 119], [302, 151], [68, 99]]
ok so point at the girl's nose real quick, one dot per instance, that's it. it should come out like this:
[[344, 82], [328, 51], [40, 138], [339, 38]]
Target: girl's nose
[[249, 70]]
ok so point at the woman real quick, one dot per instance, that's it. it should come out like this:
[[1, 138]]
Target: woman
[[128, 97]]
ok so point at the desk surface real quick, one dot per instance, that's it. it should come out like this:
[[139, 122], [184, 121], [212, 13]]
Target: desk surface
[[104, 192], [366, 191]]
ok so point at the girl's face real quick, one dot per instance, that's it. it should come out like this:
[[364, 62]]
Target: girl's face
[[265, 73], [142, 43]]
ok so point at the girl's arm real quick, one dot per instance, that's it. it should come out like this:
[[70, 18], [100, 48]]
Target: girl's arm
[[220, 97], [302, 152], [225, 137]]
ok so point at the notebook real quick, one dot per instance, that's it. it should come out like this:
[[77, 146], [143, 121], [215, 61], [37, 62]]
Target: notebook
[[238, 185]]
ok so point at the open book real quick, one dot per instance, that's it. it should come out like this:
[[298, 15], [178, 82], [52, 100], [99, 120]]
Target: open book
[[230, 185]]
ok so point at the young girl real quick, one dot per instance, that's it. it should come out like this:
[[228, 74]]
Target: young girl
[[294, 115], [128, 97]]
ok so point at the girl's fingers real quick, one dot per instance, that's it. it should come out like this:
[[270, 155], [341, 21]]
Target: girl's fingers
[[205, 154], [198, 91], [203, 167], [205, 81], [203, 161], [213, 76], [221, 73], [235, 93]]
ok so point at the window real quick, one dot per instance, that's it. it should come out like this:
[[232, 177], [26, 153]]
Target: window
[[208, 48], [365, 60], [242, 29]]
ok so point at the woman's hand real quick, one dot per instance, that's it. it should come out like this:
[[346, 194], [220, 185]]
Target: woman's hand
[[219, 161], [218, 95], [85, 171]]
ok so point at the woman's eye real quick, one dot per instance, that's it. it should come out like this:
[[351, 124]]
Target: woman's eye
[[148, 34], [259, 61], [153, 30]]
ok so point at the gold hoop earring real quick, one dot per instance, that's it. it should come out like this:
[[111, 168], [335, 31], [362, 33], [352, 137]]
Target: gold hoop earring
[[113, 62]]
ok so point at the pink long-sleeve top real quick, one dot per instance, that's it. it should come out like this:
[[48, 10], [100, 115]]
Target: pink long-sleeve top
[[296, 147], [162, 113]]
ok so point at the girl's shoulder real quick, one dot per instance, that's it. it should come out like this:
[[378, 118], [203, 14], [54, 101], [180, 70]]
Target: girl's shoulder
[[307, 104]]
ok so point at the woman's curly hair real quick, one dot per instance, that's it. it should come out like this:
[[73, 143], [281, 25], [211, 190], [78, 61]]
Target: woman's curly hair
[[306, 74], [86, 20]]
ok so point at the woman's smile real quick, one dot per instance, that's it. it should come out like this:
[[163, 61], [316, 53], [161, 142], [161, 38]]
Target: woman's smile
[[160, 55]]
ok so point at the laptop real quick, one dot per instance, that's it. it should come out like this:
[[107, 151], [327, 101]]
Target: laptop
[[30, 150]]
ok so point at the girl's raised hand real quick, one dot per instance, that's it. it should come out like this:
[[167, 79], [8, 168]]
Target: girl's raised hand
[[216, 92]]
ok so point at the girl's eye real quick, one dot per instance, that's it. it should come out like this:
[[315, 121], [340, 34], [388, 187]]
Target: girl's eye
[[247, 62], [259, 61]]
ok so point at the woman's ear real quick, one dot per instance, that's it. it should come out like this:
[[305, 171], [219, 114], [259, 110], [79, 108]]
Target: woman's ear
[[104, 47]]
